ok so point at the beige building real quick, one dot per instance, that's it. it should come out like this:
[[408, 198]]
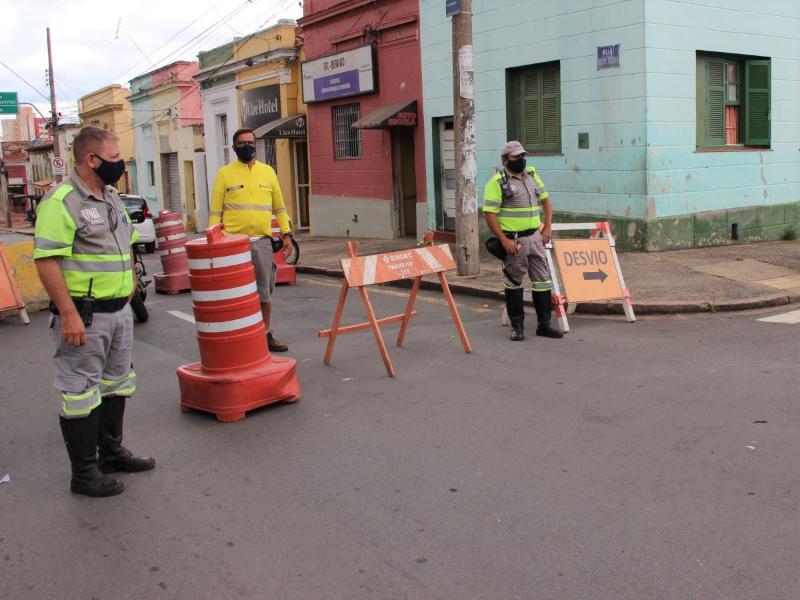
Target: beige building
[[109, 108]]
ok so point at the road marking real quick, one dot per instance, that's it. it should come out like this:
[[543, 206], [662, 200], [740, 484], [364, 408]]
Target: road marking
[[789, 318], [181, 315]]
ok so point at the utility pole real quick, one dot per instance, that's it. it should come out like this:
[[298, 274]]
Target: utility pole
[[53, 110], [5, 202], [467, 258]]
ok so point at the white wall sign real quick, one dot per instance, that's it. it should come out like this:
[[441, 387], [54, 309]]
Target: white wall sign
[[59, 165], [340, 75]]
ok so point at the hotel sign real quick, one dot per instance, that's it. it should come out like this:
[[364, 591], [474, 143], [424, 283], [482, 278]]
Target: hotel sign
[[260, 105], [348, 73]]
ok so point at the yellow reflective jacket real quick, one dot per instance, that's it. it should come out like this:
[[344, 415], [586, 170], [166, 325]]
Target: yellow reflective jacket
[[244, 199]]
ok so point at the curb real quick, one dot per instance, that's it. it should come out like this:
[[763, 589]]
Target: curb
[[611, 307]]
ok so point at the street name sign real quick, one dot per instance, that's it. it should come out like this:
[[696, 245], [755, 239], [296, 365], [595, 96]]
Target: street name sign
[[9, 103], [588, 270], [453, 7]]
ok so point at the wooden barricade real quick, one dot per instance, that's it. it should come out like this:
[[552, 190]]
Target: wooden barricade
[[362, 271], [10, 298]]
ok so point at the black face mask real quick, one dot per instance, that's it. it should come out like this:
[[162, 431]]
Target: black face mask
[[517, 166], [245, 153], [110, 172]]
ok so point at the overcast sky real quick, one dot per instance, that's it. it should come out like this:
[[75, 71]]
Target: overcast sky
[[100, 42]]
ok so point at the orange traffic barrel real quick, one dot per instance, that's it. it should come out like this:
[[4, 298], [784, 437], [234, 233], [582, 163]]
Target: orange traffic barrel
[[171, 239], [286, 273], [236, 372]]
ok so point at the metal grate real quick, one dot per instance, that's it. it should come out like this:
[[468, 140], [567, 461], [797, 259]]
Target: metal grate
[[346, 139]]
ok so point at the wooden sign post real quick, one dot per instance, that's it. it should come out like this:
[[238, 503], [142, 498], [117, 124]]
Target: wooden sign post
[[361, 271]]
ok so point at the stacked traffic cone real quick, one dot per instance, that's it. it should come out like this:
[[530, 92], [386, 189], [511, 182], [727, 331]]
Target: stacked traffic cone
[[236, 372], [171, 238]]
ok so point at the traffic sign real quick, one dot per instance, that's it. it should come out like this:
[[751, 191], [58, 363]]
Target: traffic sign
[[453, 7], [588, 270], [59, 165], [9, 103]]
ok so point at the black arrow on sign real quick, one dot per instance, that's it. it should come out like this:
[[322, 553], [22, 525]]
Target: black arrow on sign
[[598, 275]]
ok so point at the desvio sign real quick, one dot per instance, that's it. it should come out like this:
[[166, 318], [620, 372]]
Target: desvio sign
[[588, 270]]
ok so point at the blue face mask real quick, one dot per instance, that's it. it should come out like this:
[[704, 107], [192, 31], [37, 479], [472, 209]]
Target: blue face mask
[[245, 153]]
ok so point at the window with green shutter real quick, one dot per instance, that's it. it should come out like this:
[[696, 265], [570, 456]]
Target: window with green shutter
[[733, 101], [533, 105]]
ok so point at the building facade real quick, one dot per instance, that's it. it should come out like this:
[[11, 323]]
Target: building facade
[[363, 89], [109, 108], [168, 130], [254, 82], [27, 126], [676, 121]]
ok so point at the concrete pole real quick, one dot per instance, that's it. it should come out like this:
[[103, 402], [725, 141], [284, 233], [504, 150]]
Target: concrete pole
[[467, 258], [53, 110]]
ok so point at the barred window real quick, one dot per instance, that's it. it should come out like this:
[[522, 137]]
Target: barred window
[[346, 139]]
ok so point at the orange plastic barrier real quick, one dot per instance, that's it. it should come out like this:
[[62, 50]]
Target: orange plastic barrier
[[10, 298], [236, 372], [361, 271], [286, 273], [171, 238]]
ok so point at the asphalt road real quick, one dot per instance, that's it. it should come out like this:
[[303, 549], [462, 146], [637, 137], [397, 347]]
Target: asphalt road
[[627, 461]]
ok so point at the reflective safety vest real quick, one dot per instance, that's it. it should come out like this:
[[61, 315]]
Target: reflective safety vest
[[522, 211], [244, 199], [92, 239]]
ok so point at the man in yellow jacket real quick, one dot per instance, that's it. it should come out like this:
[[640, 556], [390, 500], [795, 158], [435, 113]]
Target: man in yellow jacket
[[246, 193]]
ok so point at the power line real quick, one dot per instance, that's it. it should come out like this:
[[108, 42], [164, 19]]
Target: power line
[[24, 81], [196, 90]]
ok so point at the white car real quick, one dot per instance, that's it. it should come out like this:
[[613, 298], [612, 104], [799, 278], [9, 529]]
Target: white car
[[142, 219]]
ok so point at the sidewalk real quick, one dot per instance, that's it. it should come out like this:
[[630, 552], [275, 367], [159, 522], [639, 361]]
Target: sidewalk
[[714, 279], [681, 281]]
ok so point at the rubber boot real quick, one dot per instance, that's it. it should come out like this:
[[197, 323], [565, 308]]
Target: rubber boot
[[543, 303], [516, 313], [113, 455], [80, 437]]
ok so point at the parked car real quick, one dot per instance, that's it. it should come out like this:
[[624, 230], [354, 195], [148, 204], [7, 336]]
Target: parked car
[[142, 219]]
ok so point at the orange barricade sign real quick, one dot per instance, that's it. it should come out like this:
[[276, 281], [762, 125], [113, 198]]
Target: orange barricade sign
[[10, 298], [588, 270], [362, 271]]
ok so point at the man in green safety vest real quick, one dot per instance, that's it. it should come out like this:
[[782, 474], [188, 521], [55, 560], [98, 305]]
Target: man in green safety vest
[[82, 251], [514, 202]]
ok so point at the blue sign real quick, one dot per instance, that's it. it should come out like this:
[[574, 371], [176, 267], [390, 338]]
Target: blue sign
[[334, 86], [607, 57], [453, 7]]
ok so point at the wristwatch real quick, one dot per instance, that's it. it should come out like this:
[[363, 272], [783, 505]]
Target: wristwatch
[[289, 233]]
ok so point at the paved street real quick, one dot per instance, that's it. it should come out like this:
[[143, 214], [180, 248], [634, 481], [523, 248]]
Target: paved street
[[626, 461]]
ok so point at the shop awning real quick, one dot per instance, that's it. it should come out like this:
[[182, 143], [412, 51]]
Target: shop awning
[[285, 127], [403, 114]]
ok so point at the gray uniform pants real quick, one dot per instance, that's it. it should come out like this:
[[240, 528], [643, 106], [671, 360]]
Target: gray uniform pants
[[530, 259], [101, 367]]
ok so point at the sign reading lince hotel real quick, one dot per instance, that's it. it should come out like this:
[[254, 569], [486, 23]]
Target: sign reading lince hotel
[[340, 75], [260, 105]]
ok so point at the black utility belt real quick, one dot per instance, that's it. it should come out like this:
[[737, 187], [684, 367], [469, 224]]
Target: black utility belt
[[512, 235], [99, 306]]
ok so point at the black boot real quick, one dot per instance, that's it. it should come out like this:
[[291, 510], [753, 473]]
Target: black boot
[[543, 303], [113, 455], [80, 436], [516, 313]]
